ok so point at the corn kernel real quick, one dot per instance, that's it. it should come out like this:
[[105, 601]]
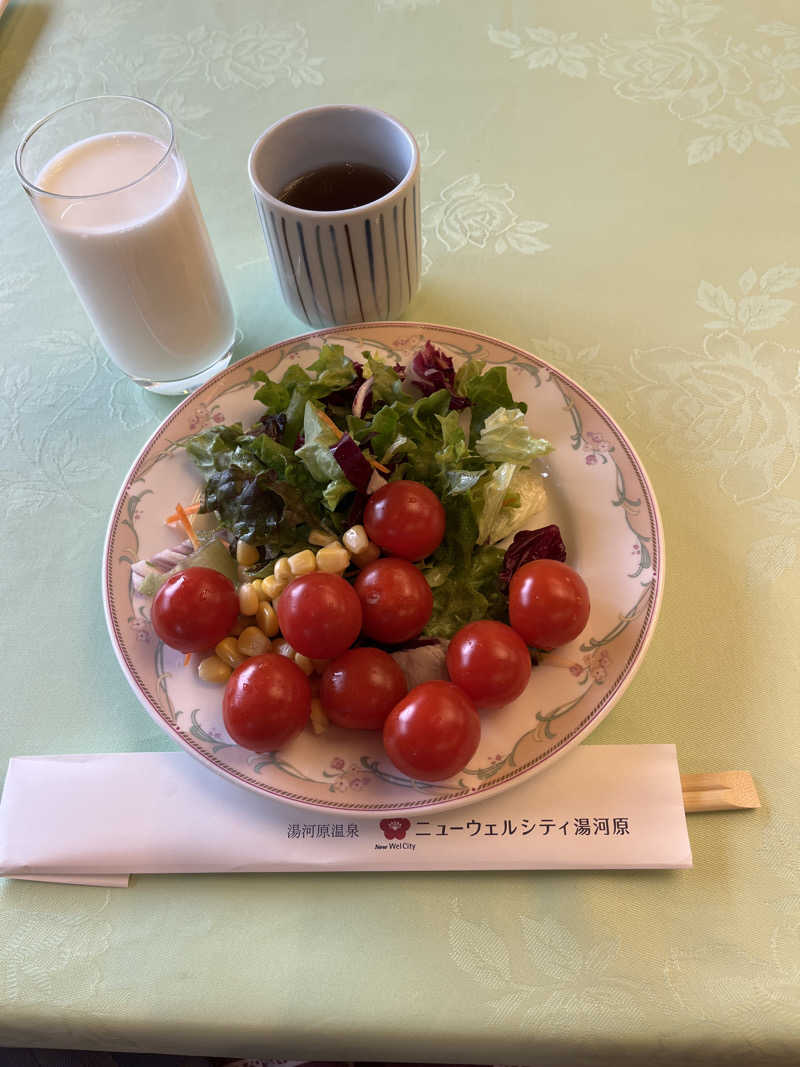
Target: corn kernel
[[213, 670], [253, 642], [369, 555], [302, 563], [228, 652], [333, 558], [321, 538], [282, 647], [304, 663], [282, 570], [271, 588], [267, 619], [246, 554], [248, 599], [238, 626], [355, 540]]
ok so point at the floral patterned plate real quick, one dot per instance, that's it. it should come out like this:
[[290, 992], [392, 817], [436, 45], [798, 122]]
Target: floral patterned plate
[[599, 495]]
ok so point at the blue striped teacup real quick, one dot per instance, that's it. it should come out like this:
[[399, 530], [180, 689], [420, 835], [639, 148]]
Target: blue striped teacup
[[337, 267]]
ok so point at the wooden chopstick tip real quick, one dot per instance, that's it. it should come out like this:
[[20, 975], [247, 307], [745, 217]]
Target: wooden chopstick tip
[[719, 791]]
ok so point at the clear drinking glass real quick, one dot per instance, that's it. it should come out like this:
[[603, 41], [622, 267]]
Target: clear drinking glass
[[114, 195]]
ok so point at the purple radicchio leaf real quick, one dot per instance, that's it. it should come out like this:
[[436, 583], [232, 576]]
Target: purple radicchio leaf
[[273, 425], [352, 461], [544, 543], [357, 505], [431, 370]]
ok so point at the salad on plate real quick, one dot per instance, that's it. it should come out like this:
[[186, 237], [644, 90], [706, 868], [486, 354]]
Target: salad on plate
[[365, 556]]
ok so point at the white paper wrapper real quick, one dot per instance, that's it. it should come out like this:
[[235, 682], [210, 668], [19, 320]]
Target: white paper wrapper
[[97, 819]]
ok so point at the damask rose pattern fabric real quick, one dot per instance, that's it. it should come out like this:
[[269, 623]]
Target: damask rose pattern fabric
[[612, 187]]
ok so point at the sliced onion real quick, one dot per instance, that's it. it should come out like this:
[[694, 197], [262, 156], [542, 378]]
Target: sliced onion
[[362, 397], [376, 481]]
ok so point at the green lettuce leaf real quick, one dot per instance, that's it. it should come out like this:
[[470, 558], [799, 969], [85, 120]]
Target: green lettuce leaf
[[272, 454], [525, 497], [454, 443], [275, 396], [381, 435], [494, 490], [246, 502], [331, 371], [335, 491], [211, 449], [469, 594], [387, 386], [316, 453], [505, 438], [487, 391], [261, 492]]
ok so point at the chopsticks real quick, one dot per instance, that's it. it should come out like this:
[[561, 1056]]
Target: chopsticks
[[721, 791]]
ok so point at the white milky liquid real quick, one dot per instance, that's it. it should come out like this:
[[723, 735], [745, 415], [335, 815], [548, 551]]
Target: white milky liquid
[[140, 258]]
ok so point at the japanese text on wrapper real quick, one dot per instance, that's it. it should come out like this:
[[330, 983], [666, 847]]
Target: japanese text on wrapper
[[579, 826]]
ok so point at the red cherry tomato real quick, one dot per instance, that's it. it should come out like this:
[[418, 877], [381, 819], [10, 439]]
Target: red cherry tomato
[[406, 519], [433, 732], [267, 702], [548, 603], [361, 687], [396, 601], [319, 615], [490, 662], [194, 609]]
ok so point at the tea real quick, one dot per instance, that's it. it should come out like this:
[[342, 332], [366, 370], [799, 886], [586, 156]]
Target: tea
[[337, 187]]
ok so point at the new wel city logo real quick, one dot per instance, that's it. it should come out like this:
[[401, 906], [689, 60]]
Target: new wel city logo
[[395, 830]]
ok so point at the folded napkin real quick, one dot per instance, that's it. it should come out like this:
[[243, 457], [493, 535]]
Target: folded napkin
[[97, 819]]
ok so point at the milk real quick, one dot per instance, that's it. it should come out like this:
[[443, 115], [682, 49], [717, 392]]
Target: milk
[[139, 257]]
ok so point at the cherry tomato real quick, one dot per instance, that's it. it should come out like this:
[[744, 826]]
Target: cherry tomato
[[490, 662], [361, 687], [433, 732], [548, 603], [406, 519], [319, 615], [194, 609], [267, 702], [396, 600]]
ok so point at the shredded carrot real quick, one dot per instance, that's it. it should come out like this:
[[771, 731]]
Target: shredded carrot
[[331, 424], [183, 518], [374, 463], [190, 509], [186, 659]]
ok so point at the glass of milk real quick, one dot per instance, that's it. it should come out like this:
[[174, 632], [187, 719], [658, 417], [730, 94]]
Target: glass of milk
[[115, 198]]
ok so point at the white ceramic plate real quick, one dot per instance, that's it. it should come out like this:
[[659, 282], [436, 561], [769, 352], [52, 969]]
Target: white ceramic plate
[[598, 493]]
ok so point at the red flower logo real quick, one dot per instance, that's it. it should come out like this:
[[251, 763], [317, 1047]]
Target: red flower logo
[[394, 828]]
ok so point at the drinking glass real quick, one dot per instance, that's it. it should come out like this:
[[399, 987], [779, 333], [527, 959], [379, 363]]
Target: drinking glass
[[114, 196]]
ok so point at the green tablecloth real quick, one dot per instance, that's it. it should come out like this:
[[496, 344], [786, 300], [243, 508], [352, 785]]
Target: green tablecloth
[[610, 186]]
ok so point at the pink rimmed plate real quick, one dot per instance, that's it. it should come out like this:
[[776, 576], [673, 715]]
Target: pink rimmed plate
[[598, 493]]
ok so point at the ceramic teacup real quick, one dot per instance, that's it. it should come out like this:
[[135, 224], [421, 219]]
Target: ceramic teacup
[[335, 267]]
